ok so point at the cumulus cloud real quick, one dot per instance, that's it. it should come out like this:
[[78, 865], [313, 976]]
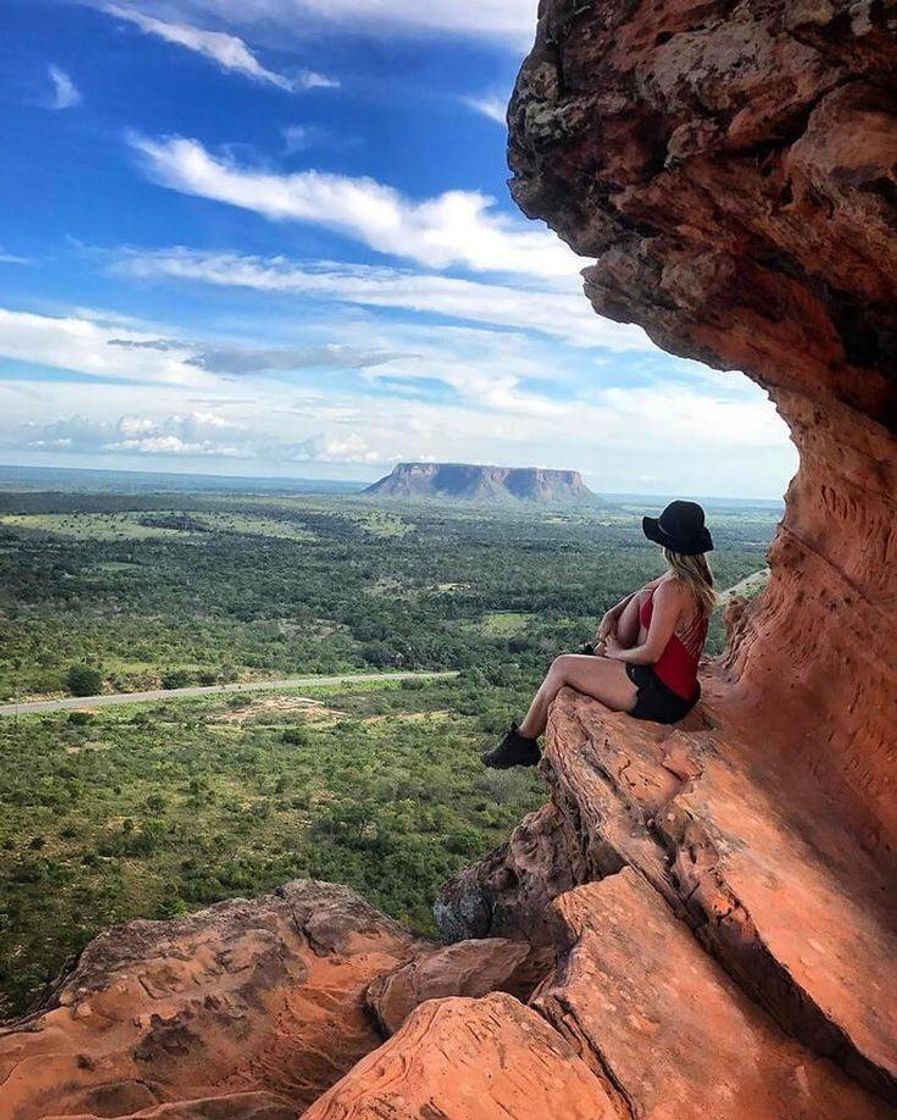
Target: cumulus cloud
[[66, 94], [228, 51], [193, 434], [202, 434], [624, 435], [462, 228], [491, 105], [340, 447], [560, 314]]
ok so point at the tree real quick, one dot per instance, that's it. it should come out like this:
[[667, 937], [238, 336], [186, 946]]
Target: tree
[[177, 678], [82, 680]]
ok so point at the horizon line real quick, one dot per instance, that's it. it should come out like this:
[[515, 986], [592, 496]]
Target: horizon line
[[361, 483]]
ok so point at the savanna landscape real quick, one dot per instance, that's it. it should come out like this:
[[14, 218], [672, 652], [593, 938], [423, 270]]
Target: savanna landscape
[[153, 810]]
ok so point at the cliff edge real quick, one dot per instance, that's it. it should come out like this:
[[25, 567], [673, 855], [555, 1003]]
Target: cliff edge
[[731, 169], [700, 921]]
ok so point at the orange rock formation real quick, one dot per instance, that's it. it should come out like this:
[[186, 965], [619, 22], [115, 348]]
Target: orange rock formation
[[708, 910], [731, 168]]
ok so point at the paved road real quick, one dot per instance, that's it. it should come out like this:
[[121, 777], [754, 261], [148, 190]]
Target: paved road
[[207, 690]]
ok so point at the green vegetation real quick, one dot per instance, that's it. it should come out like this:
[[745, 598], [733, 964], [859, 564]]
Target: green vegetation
[[83, 680], [153, 810], [231, 587]]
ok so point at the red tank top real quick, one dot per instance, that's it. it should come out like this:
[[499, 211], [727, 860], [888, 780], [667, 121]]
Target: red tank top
[[677, 666]]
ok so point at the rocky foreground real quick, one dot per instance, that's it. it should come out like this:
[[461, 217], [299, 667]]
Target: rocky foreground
[[665, 938], [700, 921]]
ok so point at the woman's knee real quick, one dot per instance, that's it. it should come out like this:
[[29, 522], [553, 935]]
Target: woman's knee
[[560, 667]]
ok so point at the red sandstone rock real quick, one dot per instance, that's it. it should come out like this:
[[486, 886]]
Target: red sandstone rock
[[801, 917], [469, 968], [508, 891], [465, 1059], [731, 168], [262, 996], [644, 1006]]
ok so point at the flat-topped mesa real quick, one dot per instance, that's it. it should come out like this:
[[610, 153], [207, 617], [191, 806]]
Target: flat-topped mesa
[[471, 482], [732, 170]]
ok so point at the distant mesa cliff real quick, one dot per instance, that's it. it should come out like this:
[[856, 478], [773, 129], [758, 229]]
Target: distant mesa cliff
[[470, 483]]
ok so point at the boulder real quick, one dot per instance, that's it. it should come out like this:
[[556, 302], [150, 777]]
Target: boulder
[[471, 1059], [245, 997], [468, 968]]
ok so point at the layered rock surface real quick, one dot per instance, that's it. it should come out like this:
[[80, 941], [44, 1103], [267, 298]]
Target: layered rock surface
[[642, 1004], [249, 1010], [246, 997], [485, 1059], [731, 169], [802, 919]]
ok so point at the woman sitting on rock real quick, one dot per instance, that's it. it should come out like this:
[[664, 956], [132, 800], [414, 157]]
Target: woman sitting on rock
[[644, 660]]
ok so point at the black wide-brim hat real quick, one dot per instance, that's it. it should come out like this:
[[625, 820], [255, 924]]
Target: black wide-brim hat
[[680, 528]]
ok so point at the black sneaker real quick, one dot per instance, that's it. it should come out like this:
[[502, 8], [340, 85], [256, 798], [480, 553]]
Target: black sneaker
[[514, 750]]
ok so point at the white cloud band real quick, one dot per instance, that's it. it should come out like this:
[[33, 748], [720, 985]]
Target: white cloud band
[[461, 228], [556, 313]]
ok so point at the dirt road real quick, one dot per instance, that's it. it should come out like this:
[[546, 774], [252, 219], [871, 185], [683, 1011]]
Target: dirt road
[[108, 701]]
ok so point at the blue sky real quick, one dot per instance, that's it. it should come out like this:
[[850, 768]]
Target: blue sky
[[273, 237]]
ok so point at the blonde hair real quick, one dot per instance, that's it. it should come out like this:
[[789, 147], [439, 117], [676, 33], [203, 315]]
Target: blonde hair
[[695, 573]]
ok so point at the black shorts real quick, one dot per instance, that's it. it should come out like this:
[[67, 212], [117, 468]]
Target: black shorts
[[655, 700]]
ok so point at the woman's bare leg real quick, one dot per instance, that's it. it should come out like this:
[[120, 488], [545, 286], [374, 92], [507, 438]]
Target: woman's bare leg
[[599, 677]]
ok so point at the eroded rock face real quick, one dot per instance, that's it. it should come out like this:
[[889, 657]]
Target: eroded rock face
[[258, 1005], [466, 1059], [731, 168], [783, 897], [467, 968], [641, 1003]]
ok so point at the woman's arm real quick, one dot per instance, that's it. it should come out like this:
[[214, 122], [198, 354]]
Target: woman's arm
[[608, 623], [665, 615]]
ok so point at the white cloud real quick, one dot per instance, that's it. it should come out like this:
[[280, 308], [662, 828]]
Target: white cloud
[[104, 349], [334, 447], [455, 228], [491, 105], [13, 258], [66, 94], [235, 361], [190, 434], [625, 437], [229, 51], [511, 22], [296, 138], [73, 343], [557, 313]]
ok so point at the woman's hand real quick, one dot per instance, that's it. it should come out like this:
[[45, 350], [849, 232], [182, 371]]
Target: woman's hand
[[606, 627], [612, 647]]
